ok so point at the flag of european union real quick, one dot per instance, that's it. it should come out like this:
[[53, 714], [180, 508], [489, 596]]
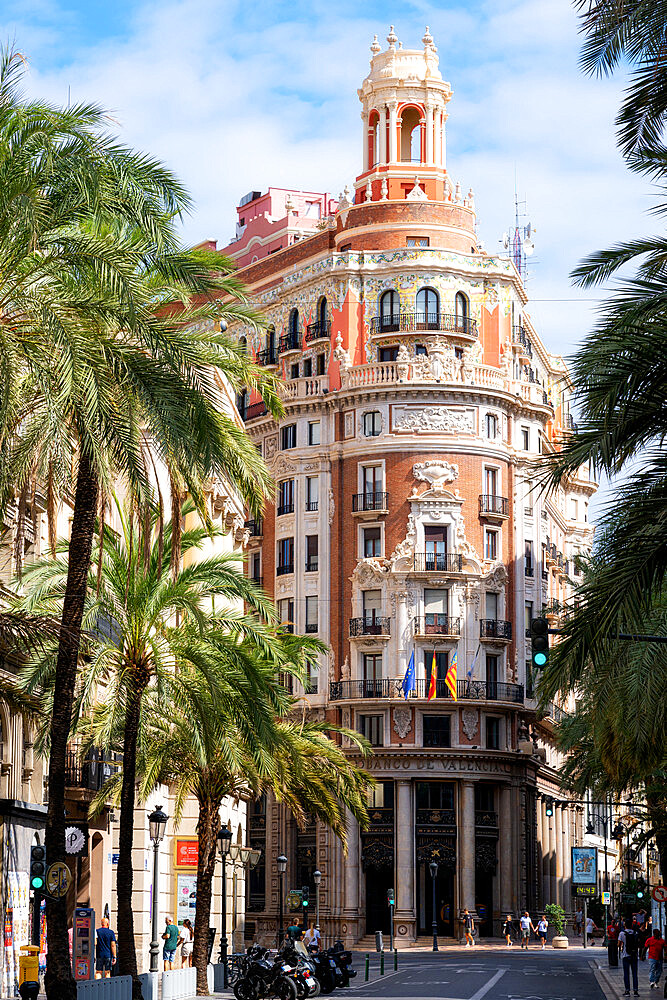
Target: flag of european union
[[409, 683]]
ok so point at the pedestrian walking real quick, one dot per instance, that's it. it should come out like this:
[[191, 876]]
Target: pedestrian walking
[[591, 928], [507, 930], [105, 950], [469, 929], [311, 938], [578, 921], [294, 931], [655, 950], [525, 926], [628, 941], [542, 927], [612, 944], [185, 939], [170, 938]]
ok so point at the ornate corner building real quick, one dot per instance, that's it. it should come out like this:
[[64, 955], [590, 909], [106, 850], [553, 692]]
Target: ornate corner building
[[417, 395]]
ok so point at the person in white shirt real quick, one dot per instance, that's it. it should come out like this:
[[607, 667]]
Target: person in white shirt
[[185, 939], [312, 938], [591, 927], [526, 926], [542, 927]]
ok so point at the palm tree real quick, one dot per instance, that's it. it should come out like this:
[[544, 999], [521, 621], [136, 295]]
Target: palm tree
[[224, 739], [139, 615], [92, 368]]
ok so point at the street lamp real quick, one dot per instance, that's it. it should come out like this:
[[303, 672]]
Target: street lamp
[[157, 824], [224, 840], [281, 864], [433, 865], [317, 878]]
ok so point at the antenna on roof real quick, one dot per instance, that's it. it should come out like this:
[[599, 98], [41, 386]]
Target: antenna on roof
[[518, 240]]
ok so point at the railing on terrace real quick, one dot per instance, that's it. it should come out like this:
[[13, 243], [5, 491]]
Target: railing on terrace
[[492, 628], [370, 501], [289, 342], [256, 528], [302, 388], [520, 337], [438, 562], [267, 357], [417, 322], [437, 624], [318, 331], [369, 625], [392, 688], [489, 504]]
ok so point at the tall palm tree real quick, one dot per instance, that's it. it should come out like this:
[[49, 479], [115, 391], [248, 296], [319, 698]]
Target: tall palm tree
[[216, 742], [138, 615], [91, 369]]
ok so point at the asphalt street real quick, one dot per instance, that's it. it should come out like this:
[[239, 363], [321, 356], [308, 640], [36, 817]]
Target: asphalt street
[[496, 974]]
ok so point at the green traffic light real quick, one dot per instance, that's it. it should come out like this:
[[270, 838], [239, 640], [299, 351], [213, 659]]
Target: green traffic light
[[640, 895], [305, 902], [36, 882], [539, 659]]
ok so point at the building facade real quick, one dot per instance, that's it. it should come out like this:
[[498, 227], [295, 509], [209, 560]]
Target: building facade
[[418, 394]]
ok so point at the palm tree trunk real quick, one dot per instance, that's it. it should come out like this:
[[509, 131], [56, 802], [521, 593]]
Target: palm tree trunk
[[127, 956], [207, 828], [58, 981]]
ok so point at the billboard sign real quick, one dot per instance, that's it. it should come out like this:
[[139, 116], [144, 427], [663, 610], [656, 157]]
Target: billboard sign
[[584, 865]]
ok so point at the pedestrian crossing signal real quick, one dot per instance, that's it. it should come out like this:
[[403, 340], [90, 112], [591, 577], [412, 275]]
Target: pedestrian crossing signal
[[539, 638], [37, 866], [549, 807]]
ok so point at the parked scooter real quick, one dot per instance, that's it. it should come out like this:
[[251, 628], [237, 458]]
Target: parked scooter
[[343, 960], [294, 954], [263, 977]]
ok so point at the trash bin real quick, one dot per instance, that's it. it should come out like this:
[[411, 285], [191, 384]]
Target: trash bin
[[378, 941], [29, 972]]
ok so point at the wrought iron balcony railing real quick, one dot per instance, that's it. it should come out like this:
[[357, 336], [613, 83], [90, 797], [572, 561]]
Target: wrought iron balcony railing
[[284, 569], [370, 501], [369, 625], [392, 689], [437, 624], [290, 342], [267, 357], [318, 331], [490, 504], [438, 562], [256, 528], [416, 322], [491, 628]]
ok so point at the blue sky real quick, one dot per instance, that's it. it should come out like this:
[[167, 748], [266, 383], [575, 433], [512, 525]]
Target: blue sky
[[236, 95]]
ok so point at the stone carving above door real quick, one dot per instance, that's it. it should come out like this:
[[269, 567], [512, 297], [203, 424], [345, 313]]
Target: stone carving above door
[[436, 474]]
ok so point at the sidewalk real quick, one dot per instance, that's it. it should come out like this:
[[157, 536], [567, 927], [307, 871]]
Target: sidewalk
[[610, 981]]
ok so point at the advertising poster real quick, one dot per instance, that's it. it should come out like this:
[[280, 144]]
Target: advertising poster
[[186, 898], [186, 853], [584, 865]]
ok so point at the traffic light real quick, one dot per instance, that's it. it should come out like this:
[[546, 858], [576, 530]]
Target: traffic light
[[539, 637], [640, 893], [37, 867], [549, 807], [390, 896], [305, 895]]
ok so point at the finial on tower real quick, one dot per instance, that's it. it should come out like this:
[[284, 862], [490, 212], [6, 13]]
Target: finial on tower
[[427, 38], [375, 45], [392, 37]]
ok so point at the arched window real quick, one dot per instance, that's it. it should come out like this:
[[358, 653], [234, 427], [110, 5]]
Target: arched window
[[389, 311], [373, 138], [462, 313], [323, 315], [428, 309], [294, 325], [411, 135], [243, 344], [270, 353]]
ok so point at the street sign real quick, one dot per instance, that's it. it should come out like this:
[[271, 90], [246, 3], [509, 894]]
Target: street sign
[[75, 840], [585, 890], [659, 893], [58, 879], [606, 899], [293, 900]]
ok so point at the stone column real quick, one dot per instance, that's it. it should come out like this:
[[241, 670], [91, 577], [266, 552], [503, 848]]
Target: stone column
[[382, 154], [405, 856], [546, 859], [364, 126], [351, 907], [539, 852], [467, 846], [558, 816], [506, 851], [429, 135], [393, 114], [553, 843]]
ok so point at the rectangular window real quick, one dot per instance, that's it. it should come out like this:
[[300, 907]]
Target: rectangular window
[[285, 497], [386, 354], [435, 610], [372, 542], [528, 558], [528, 616], [256, 567], [372, 423], [372, 675], [492, 733], [491, 601], [314, 432], [321, 363], [574, 507], [417, 241], [311, 614], [312, 553], [311, 676], [491, 425], [372, 727], [285, 556], [525, 438], [307, 367], [441, 667], [312, 492], [435, 544], [286, 611], [372, 600], [485, 800], [288, 437], [372, 480], [294, 370], [490, 544], [437, 730], [491, 676], [491, 482]]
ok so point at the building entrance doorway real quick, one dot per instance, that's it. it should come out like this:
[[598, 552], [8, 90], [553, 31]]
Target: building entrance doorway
[[484, 902], [378, 882], [444, 900]]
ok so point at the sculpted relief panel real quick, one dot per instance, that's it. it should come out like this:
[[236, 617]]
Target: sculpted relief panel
[[434, 419]]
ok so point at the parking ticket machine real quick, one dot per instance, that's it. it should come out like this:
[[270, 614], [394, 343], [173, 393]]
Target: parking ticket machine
[[83, 943]]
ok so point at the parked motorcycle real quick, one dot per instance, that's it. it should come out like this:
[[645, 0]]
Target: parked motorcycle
[[343, 960], [261, 977], [294, 954], [326, 972]]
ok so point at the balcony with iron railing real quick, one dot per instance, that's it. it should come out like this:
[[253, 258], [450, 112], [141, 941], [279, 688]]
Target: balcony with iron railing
[[424, 322], [438, 562], [520, 339], [493, 506], [437, 625], [255, 527], [290, 342], [318, 331], [312, 505], [377, 502], [390, 689], [492, 628], [369, 625], [312, 564], [267, 357], [285, 508], [284, 569], [89, 774]]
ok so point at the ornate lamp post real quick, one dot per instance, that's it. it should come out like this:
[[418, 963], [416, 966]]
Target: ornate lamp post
[[317, 878], [281, 865], [433, 866], [157, 824], [224, 840]]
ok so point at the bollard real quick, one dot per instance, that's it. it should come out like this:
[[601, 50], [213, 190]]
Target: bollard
[[368, 967], [382, 963], [395, 959]]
